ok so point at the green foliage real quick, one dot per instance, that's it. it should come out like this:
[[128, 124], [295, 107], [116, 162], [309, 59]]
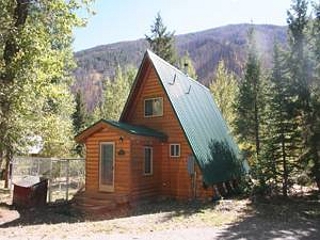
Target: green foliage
[[249, 103], [224, 88], [281, 141], [80, 120], [35, 74], [80, 115], [115, 94], [161, 41], [290, 146], [311, 154]]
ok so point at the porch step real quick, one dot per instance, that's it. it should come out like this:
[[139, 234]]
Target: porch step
[[100, 203]]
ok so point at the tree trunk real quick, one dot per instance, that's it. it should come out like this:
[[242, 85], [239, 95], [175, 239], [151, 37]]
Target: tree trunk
[[10, 50], [256, 115], [6, 176], [316, 163], [256, 119], [284, 165], [318, 184], [285, 179]]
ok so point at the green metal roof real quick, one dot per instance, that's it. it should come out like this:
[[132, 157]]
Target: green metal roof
[[202, 123], [137, 130]]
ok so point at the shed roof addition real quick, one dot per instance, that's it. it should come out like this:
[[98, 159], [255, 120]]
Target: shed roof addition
[[132, 129]]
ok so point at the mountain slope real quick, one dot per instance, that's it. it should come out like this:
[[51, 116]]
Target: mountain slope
[[206, 49]]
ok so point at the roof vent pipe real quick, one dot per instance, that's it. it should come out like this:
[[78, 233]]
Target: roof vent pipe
[[185, 69]]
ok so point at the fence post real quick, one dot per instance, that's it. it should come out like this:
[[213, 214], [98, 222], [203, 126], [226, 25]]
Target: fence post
[[38, 167], [67, 180], [50, 179]]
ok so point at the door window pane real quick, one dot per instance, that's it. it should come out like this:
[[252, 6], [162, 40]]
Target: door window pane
[[106, 164]]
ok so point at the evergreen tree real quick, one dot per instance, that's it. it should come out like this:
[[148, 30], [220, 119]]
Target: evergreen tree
[[297, 23], [80, 119], [186, 65], [300, 80], [80, 115], [161, 41], [224, 88], [279, 149], [249, 102], [312, 151]]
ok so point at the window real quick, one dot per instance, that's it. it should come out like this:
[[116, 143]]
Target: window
[[153, 107], [174, 150], [148, 161]]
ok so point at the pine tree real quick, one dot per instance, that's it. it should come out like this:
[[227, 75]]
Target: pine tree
[[161, 41], [300, 80], [249, 102], [282, 124], [80, 115], [312, 151], [80, 119], [297, 23], [224, 88]]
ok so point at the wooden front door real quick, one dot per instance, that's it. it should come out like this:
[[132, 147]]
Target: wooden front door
[[106, 167]]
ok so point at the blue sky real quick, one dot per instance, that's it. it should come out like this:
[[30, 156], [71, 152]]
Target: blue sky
[[123, 20]]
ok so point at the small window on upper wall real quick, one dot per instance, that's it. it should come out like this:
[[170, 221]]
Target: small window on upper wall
[[174, 150], [153, 107]]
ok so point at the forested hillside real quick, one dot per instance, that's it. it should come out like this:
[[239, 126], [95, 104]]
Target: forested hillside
[[205, 48]]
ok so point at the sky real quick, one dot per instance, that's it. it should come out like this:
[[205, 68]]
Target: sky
[[125, 20]]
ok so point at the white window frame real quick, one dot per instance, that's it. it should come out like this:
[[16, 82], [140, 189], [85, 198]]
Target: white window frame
[[153, 115], [144, 161], [175, 155]]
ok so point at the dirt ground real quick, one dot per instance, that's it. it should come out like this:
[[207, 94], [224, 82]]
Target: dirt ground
[[296, 218]]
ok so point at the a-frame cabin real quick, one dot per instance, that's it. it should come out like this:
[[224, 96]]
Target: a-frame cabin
[[171, 141]]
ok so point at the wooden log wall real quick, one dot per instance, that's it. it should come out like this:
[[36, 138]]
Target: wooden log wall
[[175, 180], [122, 176], [145, 185]]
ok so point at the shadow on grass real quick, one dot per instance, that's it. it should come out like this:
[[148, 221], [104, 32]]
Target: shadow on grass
[[43, 215], [173, 208], [295, 218], [67, 214]]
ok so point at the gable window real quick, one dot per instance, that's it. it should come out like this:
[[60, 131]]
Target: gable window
[[153, 107], [148, 160], [174, 150]]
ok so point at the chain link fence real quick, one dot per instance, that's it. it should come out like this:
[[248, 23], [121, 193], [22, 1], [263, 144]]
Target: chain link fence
[[65, 176]]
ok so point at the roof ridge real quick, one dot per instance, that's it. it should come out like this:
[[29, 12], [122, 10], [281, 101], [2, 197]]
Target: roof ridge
[[176, 69]]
